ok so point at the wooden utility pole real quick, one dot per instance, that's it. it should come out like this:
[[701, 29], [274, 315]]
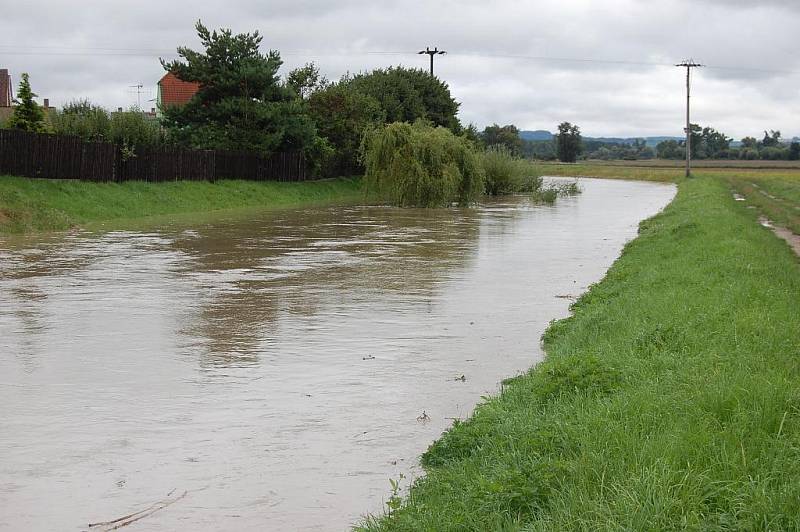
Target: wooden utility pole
[[431, 53], [689, 65]]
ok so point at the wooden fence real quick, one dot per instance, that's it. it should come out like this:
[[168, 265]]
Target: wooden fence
[[65, 157]]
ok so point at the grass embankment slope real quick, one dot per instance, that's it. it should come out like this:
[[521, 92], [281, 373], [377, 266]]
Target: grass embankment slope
[[42, 204], [670, 399]]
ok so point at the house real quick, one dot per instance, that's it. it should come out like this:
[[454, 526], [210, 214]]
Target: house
[[6, 95], [174, 91]]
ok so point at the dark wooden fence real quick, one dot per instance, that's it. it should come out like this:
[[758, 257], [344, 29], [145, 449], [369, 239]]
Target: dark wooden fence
[[64, 157]]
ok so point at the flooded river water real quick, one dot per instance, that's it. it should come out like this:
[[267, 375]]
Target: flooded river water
[[273, 368]]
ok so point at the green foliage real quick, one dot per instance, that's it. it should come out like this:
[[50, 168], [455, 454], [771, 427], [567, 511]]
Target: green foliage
[[132, 129], [503, 173], [670, 149], [506, 136], [794, 151], [568, 142], [342, 115], [708, 143], [608, 151], [306, 80], [27, 114], [772, 139], [407, 95], [420, 165], [83, 119], [241, 104]]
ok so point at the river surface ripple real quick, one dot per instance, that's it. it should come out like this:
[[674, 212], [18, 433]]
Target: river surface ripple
[[274, 368]]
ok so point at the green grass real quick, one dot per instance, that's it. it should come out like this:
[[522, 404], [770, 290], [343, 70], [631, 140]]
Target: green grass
[[775, 197], [41, 204], [623, 170], [669, 400]]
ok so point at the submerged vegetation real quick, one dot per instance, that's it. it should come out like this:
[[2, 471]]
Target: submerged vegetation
[[669, 400]]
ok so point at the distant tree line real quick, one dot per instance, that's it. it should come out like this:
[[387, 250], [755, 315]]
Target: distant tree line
[[708, 143]]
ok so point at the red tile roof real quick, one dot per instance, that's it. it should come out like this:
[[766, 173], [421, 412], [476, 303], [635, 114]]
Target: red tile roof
[[175, 91]]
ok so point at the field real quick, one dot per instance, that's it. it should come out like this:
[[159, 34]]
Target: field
[[669, 400], [41, 205]]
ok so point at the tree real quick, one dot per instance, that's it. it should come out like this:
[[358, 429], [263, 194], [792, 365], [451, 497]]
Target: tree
[[131, 129], [714, 144], [749, 142], [83, 119], [341, 116], [306, 80], [506, 136], [408, 94], [568, 142], [670, 149], [421, 165], [241, 103], [27, 115], [772, 139], [794, 151]]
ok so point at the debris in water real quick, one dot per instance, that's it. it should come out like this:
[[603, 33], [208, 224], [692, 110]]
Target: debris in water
[[136, 516], [424, 418]]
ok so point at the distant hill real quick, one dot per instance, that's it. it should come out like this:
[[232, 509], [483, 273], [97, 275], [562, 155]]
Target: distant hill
[[546, 135], [539, 134]]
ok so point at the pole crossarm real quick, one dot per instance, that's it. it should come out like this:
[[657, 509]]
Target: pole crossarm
[[431, 53]]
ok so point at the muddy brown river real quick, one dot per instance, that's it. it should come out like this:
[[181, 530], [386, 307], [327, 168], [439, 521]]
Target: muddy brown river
[[270, 372]]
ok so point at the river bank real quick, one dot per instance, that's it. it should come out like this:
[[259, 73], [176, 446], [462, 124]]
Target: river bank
[[28, 205], [668, 400]]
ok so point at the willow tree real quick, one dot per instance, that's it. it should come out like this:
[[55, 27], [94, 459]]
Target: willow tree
[[418, 165]]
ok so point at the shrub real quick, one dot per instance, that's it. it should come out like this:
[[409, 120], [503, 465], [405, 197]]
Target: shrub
[[503, 172], [132, 129], [421, 165], [83, 119]]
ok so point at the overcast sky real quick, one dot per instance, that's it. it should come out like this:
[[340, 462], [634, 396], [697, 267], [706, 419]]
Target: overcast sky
[[97, 49]]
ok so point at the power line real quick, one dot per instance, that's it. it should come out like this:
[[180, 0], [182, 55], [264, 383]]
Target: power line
[[156, 52]]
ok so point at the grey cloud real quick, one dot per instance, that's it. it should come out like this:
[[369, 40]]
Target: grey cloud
[[606, 98]]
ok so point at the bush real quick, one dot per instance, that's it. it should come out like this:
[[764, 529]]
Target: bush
[[503, 172], [421, 165], [83, 119], [132, 129]]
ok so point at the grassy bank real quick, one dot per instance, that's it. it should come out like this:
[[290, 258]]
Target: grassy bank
[[669, 400], [670, 173], [41, 204]]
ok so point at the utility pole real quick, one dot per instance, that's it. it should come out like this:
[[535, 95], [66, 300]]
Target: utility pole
[[431, 53], [689, 65]]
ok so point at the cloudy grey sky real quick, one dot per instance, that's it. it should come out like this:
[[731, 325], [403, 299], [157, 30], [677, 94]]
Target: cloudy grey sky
[[508, 61]]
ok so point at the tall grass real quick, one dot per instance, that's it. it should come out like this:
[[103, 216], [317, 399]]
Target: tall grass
[[506, 174], [669, 400], [420, 165]]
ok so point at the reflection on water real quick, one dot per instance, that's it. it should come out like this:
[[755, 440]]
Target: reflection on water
[[273, 367]]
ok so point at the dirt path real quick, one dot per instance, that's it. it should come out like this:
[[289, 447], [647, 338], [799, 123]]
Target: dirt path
[[792, 239]]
